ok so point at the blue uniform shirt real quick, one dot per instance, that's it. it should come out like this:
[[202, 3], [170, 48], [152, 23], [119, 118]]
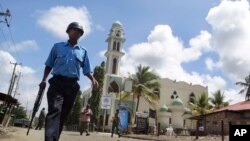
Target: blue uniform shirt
[[67, 61]]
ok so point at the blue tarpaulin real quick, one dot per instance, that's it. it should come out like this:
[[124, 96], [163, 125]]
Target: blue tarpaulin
[[123, 114]]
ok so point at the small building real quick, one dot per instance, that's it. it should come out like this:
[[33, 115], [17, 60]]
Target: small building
[[7, 102], [236, 114]]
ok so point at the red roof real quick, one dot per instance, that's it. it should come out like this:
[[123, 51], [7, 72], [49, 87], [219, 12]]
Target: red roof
[[241, 106]]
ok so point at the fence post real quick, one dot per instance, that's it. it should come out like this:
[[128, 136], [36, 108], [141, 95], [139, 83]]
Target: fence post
[[159, 128], [222, 130]]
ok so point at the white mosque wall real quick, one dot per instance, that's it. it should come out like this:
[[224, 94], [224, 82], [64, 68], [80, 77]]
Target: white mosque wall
[[176, 115], [182, 89]]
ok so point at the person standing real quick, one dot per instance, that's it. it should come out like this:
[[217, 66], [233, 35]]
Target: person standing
[[41, 119], [85, 119], [115, 123], [65, 61]]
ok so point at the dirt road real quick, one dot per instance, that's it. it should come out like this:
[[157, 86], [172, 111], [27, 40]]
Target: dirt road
[[19, 134]]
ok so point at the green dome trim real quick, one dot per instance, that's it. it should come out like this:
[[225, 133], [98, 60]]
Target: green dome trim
[[188, 111], [117, 24], [164, 108], [177, 102]]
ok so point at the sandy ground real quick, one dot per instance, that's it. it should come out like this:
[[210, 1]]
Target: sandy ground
[[19, 134]]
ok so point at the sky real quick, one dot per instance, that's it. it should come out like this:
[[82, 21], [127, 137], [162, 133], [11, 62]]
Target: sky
[[200, 42]]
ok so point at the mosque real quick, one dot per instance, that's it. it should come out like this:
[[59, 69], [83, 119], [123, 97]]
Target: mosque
[[173, 107]]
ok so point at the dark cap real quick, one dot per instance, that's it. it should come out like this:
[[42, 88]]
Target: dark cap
[[75, 25]]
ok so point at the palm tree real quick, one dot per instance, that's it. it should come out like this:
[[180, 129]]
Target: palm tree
[[218, 100], [246, 87], [201, 105], [200, 108], [144, 84]]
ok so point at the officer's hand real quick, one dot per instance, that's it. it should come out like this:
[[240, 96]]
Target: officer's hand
[[95, 84], [42, 84]]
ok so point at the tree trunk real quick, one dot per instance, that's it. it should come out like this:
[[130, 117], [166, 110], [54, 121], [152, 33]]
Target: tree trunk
[[137, 106], [248, 93], [197, 130]]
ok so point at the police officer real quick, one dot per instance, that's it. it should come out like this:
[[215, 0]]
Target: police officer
[[64, 63], [41, 119]]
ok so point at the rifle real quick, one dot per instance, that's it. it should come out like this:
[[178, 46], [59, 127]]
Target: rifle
[[37, 103]]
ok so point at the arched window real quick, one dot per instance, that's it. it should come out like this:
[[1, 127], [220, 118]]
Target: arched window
[[174, 95], [191, 97], [114, 66], [114, 45], [157, 92], [118, 46]]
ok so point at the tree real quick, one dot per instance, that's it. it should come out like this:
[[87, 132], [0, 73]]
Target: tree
[[144, 84], [200, 107], [218, 100], [94, 100], [75, 112], [19, 112], [246, 87]]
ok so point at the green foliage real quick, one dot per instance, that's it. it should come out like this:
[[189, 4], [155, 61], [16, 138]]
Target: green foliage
[[201, 105], [144, 84], [75, 112], [19, 112], [246, 87], [94, 101], [218, 100]]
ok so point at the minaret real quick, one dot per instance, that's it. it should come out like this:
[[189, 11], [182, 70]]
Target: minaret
[[114, 52]]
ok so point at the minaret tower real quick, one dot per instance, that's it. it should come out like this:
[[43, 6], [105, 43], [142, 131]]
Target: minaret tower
[[112, 80], [114, 52]]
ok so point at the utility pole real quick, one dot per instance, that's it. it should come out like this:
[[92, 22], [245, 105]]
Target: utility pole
[[13, 77], [5, 14], [17, 85]]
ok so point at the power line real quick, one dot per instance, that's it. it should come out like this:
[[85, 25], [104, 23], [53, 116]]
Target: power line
[[5, 14], [8, 14]]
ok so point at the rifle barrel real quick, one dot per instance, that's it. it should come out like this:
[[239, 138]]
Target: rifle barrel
[[37, 104]]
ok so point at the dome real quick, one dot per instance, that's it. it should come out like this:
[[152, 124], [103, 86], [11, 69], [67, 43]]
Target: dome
[[117, 24], [188, 111], [164, 108], [177, 102]]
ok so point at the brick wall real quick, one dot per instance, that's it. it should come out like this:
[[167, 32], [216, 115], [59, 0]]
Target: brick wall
[[213, 121]]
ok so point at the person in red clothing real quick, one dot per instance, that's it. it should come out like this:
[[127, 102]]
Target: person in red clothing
[[85, 120]]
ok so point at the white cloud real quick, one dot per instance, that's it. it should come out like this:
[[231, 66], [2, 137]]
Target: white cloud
[[230, 37], [197, 45], [24, 45], [99, 27], [233, 96], [28, 83], [56, 20], [6, 71], [165, 53], [210, 64], [214, 83]]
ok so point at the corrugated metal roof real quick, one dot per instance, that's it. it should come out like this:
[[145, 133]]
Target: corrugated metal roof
[[245, 105]]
